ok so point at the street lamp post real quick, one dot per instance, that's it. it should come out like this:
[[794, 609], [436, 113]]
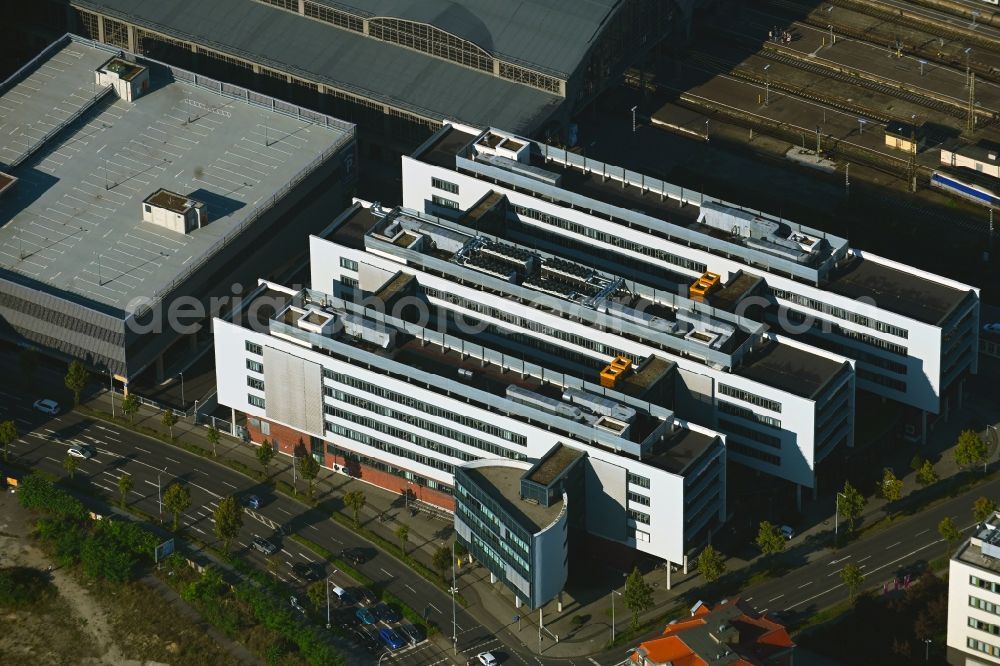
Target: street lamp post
[[836, 516], [996, 438], [454, 591], [927, 649], [159, 495], [111, 385], [183, 402], [633, 118], [328, 601], [613, 593], [967, 52], [767, 85]]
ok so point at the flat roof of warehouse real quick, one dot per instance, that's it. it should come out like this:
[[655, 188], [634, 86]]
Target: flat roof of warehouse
[[352, 62], [902, 292], [789, 368], [74, 221]]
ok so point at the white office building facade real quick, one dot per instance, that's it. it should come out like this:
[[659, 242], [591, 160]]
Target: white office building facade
[[974, 598]]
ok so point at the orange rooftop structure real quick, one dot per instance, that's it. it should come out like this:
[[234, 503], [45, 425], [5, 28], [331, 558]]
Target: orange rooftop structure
[[728, 635]]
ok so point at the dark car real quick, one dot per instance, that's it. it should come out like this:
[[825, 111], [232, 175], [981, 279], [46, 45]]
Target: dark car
[[355, 556], [367, 596], [251, 502], [412, 632], [365, 616], [387, 613], [391, 638], [307, 570]]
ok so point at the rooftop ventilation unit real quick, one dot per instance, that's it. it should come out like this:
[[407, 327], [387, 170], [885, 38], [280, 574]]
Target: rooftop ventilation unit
[[544, 403], [174, 211], [598, 404]]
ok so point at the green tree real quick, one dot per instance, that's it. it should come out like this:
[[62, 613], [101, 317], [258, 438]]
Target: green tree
[[228, 521], [130, 405], [355, 499], [169, 420], [316, 592], [27, 361], [309, 468], [265, 453], [125, 485], [949, 532], [852, 578], [213, 439], [442, 559], [970, 450], [403, 534], [638, 595], [711, 564], [8, 433], [926, 474], [850, 504], [983, 508], [177, 499], [917, 462], [77, 378], [70, 464], [769, 539], [891, 488]]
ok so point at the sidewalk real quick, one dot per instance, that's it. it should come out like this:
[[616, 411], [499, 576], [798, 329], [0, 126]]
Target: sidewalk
[[493, 605]]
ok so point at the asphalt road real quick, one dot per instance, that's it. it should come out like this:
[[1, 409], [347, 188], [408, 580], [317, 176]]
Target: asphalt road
[[45, 439]]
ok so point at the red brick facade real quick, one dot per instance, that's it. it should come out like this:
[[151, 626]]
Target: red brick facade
[[288, 438]]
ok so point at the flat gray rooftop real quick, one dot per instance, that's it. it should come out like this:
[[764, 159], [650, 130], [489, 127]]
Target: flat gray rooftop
[[503, 484], [43, 100], [897, 291], [74, 221], [789, 368], [678, 450]]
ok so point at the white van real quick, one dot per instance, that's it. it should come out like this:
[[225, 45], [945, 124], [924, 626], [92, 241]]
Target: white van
[[344, 596]]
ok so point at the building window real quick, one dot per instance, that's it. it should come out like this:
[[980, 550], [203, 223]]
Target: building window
[[256, 401], [255, 383], [254, 348], [750, 452], [984, 584], [638, 499], [752, 398], [744, 413], [639, 516], [447, 203], [984, 626], [444, 185], [349, 282], [255, 366], [349, 264], [984, 605], [265, 428], [115, 33], [433, 41], [529, 78], [87, 24], [985, 648], [334, 17], [637, 480]]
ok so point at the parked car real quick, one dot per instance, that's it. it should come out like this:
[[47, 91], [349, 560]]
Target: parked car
[[355, 556], [367, 596], [992, 328], [365, 616], [252, 502], [309, 571], [342, 595], [487, 659], [387, 613], [787, 532], [294, 602], [391, 638], [81, 452], [412, 632], [46, 405], [264, 546]]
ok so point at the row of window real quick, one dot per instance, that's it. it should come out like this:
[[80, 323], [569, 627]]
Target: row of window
[[483, 531], [381, 466], [255, 400], [402, 452], [985, 648], [254, 348], [611, 239], [639, 516], [333, 16], [446, 203], [637, 480], [425, 407], [637, 498], [445, 185], [399, 433], [349, 264], [984, 584], [424, 424], [984, 626], [751, 398], [748, 414], [255, 366], [984, 605], [733, 428], [840, 313], [433, 41], [880, 379], [750, 452], [255, 383], [529, 78]]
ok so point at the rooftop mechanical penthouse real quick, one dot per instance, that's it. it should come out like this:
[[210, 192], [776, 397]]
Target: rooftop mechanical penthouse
[[139, 184], [913, 334], [784, 406]]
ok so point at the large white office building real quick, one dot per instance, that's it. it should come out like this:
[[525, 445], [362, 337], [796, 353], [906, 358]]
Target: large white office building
[[783, 405], [394, 402], [974, 598], [913, 334]]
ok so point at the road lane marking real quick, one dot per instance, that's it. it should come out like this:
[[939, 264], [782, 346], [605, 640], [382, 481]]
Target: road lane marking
[[866, 557], [385, 572], [806, 585], [893, 545], [176, 462], [229, 484], [922, 532], [776, 598], [139, 448], [435, 608]]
